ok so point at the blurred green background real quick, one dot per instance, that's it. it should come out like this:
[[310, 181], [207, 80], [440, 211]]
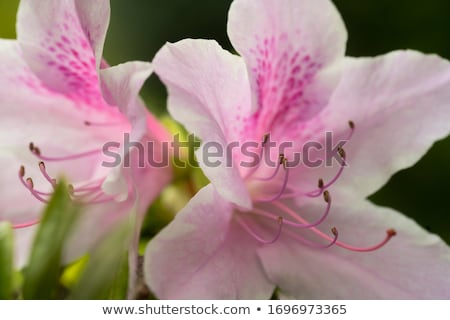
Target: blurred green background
[[140, 27]]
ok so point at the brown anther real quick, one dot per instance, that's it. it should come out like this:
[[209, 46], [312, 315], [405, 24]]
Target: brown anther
[[326, 196], [351, 124], [282, 158], [320, 184], [334, 231], [42, 165], [22, 171], [391, 232], [37, 151], [280, 220], [341, 152], [30, 183], [31, 146], [265, 139]]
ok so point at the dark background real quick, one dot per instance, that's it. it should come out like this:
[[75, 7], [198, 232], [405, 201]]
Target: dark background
[[140, 27]]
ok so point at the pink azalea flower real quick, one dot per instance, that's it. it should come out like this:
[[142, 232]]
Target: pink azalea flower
[[60, 103], [308, 231]]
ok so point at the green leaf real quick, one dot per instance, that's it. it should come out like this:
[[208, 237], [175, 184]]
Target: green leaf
[[6, 261], [44, 266], [106, 273]]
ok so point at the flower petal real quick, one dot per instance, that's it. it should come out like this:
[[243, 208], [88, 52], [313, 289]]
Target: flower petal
[[209, 95], [292, 49], [204, 254], [412, 265], [400, 103], [121, 85], [62, 43]]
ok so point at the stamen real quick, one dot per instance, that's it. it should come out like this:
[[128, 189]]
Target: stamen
[[34, 149], [341, 152], [320, 185], [37, 153], [314, 245], [316, 193], [283, 187], [390, 233], [292, 213], [257, 237], [265, 139], [343, 155], [46, 175], [28, 183], [26, 224], [351, 124], [276, 170], [102, 124]]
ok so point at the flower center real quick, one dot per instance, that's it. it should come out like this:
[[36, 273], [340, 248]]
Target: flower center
[[272, 210]]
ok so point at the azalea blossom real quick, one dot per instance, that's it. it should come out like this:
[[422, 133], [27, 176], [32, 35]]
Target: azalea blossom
[[60, 103], [310, 232]]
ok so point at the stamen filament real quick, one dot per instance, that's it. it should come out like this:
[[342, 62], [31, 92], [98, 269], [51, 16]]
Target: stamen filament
[[390, 234], [261, 153], [314, 245], [26, 224], [102, 124], [36, 151], [283, 187], [288, 210], [257, 237], [72, 157], [279, 163]]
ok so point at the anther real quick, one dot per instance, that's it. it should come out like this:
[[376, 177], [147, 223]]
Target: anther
[[341, 152], [326, 196], [334, 231], [265, 139], [35, 150], [30, 183], [280, 220], [320, 184], [351, 124], [87, 123], [391, 233], [282, 158], [22, 171]]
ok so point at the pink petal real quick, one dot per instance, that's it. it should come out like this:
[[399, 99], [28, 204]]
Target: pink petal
[[204, 254], [400, 105], [292, 49], [62, 43], [94, 20], [412, 265], [121, 85], [209, 94]]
